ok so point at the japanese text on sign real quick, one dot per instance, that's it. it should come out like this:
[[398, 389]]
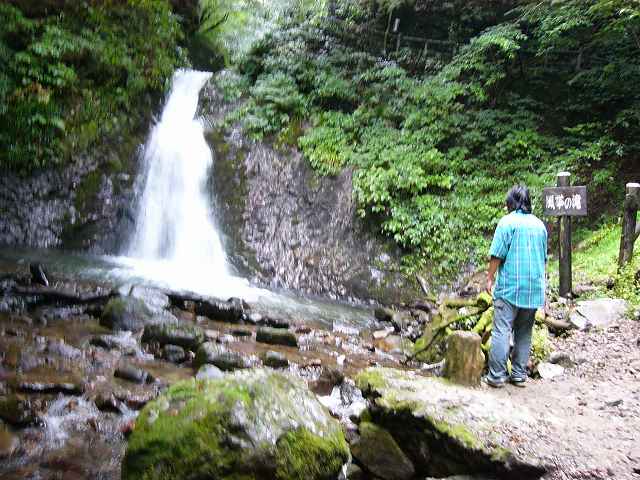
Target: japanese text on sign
[[560, 201]]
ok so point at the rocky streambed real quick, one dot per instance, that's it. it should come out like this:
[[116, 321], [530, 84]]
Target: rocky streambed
[[139, 382]]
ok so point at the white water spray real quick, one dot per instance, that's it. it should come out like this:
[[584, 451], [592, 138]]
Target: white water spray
[[176, 240]]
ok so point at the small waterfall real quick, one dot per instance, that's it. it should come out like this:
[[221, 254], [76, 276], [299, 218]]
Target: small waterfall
[[176, 240]]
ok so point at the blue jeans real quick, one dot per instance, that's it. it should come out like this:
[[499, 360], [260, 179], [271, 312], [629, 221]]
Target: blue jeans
[[506, 318]]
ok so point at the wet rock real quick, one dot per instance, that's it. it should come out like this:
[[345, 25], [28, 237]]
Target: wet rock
[[184, 335], [384, 314], [329, 378], [130, 313], [275, 359], [548, 370], [38, 274], [133, 374], [173, 353], [155, 299], [446, 429], [135, 400], [380, 334], [274, 322], [232, 311], [64, 386], [123, 342], [598, 313], [218, 355], [464, 360], [107, 402], [378, 453], [8, 442], [254, 318], [17, 411], [242, 333], [59, 347], [393, 344], [299, 439], [276, 336], [209, 372]]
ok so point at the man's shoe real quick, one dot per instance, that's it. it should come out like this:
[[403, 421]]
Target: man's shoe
[[518, 382], [491, 383]]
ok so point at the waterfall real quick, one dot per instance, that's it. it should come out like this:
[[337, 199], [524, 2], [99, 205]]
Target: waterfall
[[176, 240]]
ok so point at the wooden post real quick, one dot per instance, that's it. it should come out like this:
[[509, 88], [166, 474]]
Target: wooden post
[[564, 242], [629, 233]]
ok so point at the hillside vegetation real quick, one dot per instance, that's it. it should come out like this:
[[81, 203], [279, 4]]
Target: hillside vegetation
[[533, 88]]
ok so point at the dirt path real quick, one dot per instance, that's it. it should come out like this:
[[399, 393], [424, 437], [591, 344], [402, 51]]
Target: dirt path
[[590, 416]]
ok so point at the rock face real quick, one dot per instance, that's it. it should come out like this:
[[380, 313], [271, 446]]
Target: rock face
[[450, 430], [254, 424], [598, 313], [464, 359]]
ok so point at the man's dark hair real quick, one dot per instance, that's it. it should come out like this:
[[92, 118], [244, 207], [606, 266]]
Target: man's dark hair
[[518, 199]]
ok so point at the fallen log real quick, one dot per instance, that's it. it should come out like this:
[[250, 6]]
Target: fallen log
[[51, 295]]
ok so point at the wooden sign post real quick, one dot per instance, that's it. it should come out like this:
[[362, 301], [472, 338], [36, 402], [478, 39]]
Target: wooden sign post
[[630, 232], [565, 201]]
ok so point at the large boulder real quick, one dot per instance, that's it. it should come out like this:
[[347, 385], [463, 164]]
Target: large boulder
[[133, 314], [255, 424], [445, 429], [598, 313]]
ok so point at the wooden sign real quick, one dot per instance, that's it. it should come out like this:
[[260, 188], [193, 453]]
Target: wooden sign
[[565, 201]]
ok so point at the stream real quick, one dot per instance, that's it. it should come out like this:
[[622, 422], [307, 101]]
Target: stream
[[71, 388]]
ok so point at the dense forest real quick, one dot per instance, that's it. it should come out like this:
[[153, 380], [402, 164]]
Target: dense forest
[[437, 106]]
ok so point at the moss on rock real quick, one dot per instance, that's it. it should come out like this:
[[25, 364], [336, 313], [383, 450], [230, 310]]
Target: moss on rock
[[251, 425]]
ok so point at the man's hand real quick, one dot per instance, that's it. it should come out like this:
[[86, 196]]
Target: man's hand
[[489, 286], [494, 263]]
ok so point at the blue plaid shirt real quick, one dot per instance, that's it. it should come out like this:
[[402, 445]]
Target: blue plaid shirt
[[520, 241]]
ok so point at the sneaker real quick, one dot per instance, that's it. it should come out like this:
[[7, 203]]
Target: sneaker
[[492, 383], [518, 382]]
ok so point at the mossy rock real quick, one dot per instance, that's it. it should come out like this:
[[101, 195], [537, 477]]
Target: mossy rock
[[133, 314], [378, 453], [183, 335], [250, 425], [463, 429]]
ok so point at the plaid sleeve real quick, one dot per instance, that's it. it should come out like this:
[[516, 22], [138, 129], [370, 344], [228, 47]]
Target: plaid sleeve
[[501, 242]]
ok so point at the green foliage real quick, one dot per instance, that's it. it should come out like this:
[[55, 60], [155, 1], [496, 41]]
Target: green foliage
[[433, 154], [72, 76]]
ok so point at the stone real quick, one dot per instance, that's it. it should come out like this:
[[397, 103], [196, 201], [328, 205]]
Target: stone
[[123, 342], [393, 344], [262, 423], [354, 472], [173, 353], [562, 358], [443, 428], [383, 314], [548, 370], [8, 442], [598, 313], [274, 359], [38, 274], [464, 360], [53, 385], [183, 335], [17, 411], [378, 453], [132, 314], [133, 374], [155, 299], [276, 336], [232, 311], [209, 372], [384, 333], [329, 378], [107, 402], [220, 356]]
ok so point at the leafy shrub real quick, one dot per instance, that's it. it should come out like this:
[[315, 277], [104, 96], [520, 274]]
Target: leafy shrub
[[73, 75]]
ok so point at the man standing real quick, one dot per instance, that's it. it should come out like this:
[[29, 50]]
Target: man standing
[[518, 253]]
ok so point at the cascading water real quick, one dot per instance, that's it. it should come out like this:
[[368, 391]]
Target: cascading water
[[176, 240]]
